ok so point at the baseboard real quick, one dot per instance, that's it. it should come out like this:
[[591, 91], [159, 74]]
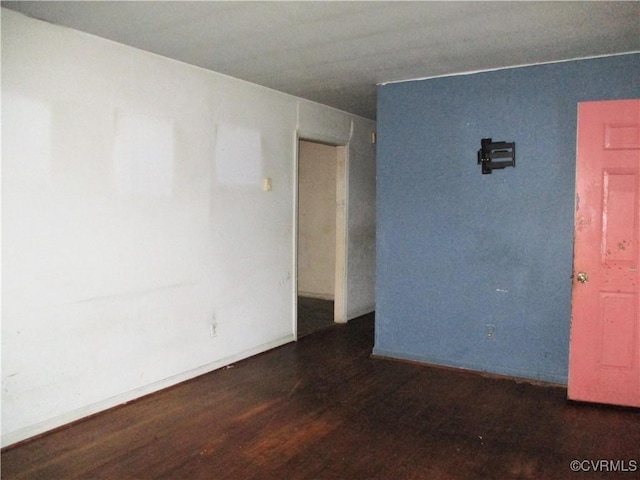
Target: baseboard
[[319, 296], [359, 312], [69, 417], [490, 370]]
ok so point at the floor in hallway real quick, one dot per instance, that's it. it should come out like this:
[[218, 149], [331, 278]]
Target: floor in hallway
[[314, 314]]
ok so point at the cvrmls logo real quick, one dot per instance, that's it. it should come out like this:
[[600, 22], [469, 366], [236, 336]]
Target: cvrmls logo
[[604, 465]]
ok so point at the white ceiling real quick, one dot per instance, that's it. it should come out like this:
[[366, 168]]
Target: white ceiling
[[336, 52]]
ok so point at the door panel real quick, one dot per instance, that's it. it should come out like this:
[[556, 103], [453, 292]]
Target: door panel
[[604, 361]]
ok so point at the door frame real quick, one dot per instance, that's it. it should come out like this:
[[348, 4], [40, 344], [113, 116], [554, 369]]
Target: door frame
[[342, 221]]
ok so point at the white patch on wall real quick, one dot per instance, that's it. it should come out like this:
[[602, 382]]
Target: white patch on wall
[[143, 155], [26, 139], [238, 156]]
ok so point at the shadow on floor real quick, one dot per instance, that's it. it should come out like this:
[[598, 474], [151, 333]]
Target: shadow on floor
[[314, 314]]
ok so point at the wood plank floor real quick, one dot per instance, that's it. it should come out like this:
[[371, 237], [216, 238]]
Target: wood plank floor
[[322, 408], [314, 314]]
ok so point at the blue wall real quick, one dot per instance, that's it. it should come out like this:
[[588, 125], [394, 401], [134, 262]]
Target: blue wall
[[458, 250]]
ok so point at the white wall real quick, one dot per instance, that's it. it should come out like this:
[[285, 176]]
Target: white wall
[[361, 221], [317, 169], [134, 218]]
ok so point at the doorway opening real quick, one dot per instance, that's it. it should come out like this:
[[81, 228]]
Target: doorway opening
[[321, 236]]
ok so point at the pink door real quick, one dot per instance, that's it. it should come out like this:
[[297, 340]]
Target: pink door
[[604, 360]]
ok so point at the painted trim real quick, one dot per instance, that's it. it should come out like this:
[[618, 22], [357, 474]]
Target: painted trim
[[320, 296], [341, 281], [82, 413], [525, 65], [294, 229]]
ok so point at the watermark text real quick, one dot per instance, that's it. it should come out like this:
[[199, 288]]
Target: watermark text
[[603, 465]]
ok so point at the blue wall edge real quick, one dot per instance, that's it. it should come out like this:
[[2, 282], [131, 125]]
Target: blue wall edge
[[475, 367]]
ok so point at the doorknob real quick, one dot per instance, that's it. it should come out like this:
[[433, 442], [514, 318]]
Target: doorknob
[[583, 277]]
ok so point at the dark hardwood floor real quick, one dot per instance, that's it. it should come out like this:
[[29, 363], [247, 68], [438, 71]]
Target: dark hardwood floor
[[314, 314], [323, 408]]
